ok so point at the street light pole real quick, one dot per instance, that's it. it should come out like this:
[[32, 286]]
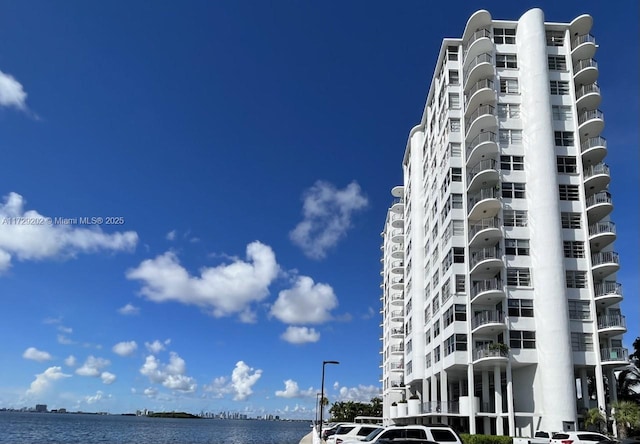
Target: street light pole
[[322, 395]]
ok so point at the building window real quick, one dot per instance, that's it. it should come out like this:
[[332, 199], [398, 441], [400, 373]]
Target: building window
[[570, 220], [456, 174], [581, 341], [522, 339], [559, 88], [508, 111], [563, 138], [506, 61], [460, 283], [513, 190], [436, 354], [512, 163], [578, 310], [576, 279], [557, 63], [562, 112], [555, 38], [458, 226], [454, 125], [436, 328], [427, 337], [456, 149], [569, 192], [456, 201], [447, 317], [510, 137], [509, 86], [458, 255], [567, 164], [520, 308], [460, 312], [519, 277], [454, 101], [573, 249], [427, 360], [515, 218], [516, 247], [454, 77], [504, 36], [455, 342]]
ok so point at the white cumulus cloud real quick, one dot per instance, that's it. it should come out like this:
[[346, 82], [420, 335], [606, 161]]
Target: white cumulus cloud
[[99, 396], [128, 310], [12, 93], [43, 240], [226, 289], [92, 367], [305, 303], [327, 214], [300, 335], [125, 348], [70, 361], [156, 346], [107, 377], [361, 393], [44, 380], [171, 375], [291, 390], [36, 355], [243, 378]]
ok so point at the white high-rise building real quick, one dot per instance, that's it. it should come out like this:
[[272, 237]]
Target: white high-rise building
[[499, 297]]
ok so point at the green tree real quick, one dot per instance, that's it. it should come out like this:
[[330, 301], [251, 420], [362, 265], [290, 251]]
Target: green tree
[[347, 411], [629, 383], [627, 416], [595, 418], [636, 349]]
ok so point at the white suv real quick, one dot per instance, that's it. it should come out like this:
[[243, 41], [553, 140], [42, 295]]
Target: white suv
[[578, 438], [440, 434], [351, 432]]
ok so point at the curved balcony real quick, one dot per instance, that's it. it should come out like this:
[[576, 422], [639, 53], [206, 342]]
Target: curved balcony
[[397, 298], [397, 333], [607, 293], [601, 234], [397, 251], [396, 367], [585, 72], [483, 173], [486, 291], [486, 260], [588, 96], [482, 118], [481, 92], [583, 47], [397, 385], [397, 349], [397, 191], [484, 145], [598, 205], [611, 325], [596, 178], [397, 283], [489, 321], [397, 220], [480, 41], [397, 236], [485, 232], [480, 67], [590, 123], [604, 263], [614, 356], [396, 315], [593, 150], [398, 205], [397, 267], [485, 356], [483, 204]]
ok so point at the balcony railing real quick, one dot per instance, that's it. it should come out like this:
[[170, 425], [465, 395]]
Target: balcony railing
[[614, 354], [480, 353], [593, 142], [485, 285], [483, 165], [397, 331], [480, 33], [586, 38], [396, 366], [484, 83], [586, 63], [485, 193], [594, 170], [482, 58], [484, 254], [482, 110], [598, 198], [397, 314], [606, 288], [590, 115], [440, 407], [587, 89], [487, 136], [612, 320], [605, 257], [396, 348], [489, 222], [487, 317], [602, 228]]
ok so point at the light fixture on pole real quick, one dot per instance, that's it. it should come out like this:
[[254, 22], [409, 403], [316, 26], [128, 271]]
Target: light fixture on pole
[[322, 395]]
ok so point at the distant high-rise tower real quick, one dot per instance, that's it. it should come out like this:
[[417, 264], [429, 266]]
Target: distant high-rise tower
[[499, 296]]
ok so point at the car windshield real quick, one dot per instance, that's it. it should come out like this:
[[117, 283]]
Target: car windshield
[[373, 434]]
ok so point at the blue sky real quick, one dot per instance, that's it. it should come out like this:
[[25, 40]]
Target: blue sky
[[245, 153]]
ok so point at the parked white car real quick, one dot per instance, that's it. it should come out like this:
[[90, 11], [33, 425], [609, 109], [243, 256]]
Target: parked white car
[[579, 438], [439, 434], [352, 432]]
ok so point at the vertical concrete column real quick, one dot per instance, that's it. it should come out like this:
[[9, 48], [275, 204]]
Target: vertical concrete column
[[584, 387], [434, 391], [485, 400], [444, 394], [613, 389], [472, 396], [555, 359], [497, 387], [510, 408]]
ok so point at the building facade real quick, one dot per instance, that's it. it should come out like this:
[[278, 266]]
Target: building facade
[[499, 297]]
